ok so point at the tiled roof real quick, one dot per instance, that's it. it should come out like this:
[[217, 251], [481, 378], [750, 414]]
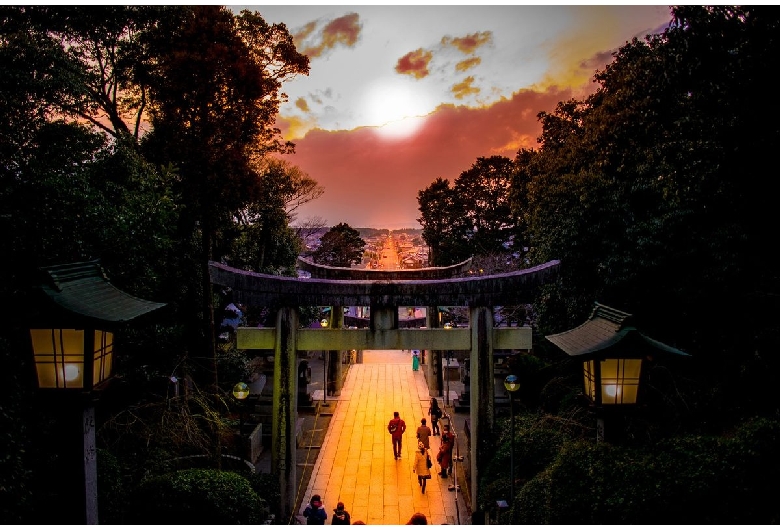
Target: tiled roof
[[608, 330], [82, 289]]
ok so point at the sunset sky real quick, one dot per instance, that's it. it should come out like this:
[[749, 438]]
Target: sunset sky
[[400, 95]]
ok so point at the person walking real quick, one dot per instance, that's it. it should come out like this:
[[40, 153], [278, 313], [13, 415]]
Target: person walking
[[340, 515], [415, 360], [315, 511], [444, 456], [435, 413], [396, 427], [423, 434], [421, 467]]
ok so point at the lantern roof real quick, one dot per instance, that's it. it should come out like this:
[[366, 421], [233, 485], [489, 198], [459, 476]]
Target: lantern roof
[[609, 332], [82, 291]]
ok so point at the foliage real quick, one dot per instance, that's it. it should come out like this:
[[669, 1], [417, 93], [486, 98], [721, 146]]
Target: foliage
[[341, 246], [266, 485], [15, 477], [112, 489], [538, 440], [473, 217], [443, 229], [214, 90], [648, 192], [686, 480], [84, 61], [196, 496]]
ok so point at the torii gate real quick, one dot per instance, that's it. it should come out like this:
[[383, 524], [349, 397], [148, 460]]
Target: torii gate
[[383, 296]]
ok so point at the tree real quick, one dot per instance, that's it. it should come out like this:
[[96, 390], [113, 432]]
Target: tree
[[483, 191], [262, 239], [308, 229], [650, 192], [443, 222], [294, 186], [341, 246], [86, 62], [214, 91]]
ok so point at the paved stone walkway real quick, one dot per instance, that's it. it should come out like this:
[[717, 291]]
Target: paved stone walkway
[[356, 465]]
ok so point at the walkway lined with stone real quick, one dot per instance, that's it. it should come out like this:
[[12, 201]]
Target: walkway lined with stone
[[356, 464]]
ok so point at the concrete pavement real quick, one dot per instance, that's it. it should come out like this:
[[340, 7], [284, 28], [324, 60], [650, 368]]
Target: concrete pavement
[[355, 464]]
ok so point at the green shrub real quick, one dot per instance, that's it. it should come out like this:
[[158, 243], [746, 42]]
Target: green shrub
[[196, 496], [686, 480]]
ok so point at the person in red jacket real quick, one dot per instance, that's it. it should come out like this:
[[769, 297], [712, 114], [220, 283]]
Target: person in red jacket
[[396, 428], [444, 457]]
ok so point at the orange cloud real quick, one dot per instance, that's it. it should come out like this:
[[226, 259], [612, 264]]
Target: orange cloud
[[469, 43], [304, 32], [373, 182], [414, 63], [467, 64], [294, 126], [343, 30], [465, 88], [301, 104]]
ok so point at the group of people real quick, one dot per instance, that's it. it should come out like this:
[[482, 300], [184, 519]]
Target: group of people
[[315, 511], [315, 514], [422, 459]]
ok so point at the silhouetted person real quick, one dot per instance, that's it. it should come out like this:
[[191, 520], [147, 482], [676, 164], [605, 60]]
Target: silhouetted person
[[435, 413]]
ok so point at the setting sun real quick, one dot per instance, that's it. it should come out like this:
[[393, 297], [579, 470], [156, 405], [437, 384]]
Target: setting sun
[[393, 107]]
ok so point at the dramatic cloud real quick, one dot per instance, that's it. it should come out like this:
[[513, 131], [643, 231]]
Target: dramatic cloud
[[304, 33], [301, 104], [343, 30], [371, 181], [469, 43], [468, 64], [414, 63], [465, 88]]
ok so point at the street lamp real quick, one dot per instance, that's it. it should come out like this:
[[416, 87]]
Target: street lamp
[[613, 353], [72, 319], [512, 384], [241, 392]]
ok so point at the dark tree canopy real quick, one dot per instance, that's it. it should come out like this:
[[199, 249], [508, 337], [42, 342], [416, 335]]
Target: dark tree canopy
[[341, 246], [473, 217]]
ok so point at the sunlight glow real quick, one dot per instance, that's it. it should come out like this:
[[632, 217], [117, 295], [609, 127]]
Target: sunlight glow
[[395, 108], [400, 129]]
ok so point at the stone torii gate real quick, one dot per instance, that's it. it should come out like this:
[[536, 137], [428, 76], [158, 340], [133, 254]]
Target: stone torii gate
[[480, 294]]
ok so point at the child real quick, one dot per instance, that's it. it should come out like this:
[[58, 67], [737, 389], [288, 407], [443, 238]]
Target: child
[[315, 511]]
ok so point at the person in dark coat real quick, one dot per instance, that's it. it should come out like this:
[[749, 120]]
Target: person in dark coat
[[340, 515], [435, 412], [315, 511]]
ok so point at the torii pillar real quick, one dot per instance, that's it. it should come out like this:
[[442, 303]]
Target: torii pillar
[[285, 411], [482, 393], [335, 366], [433, 368]]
